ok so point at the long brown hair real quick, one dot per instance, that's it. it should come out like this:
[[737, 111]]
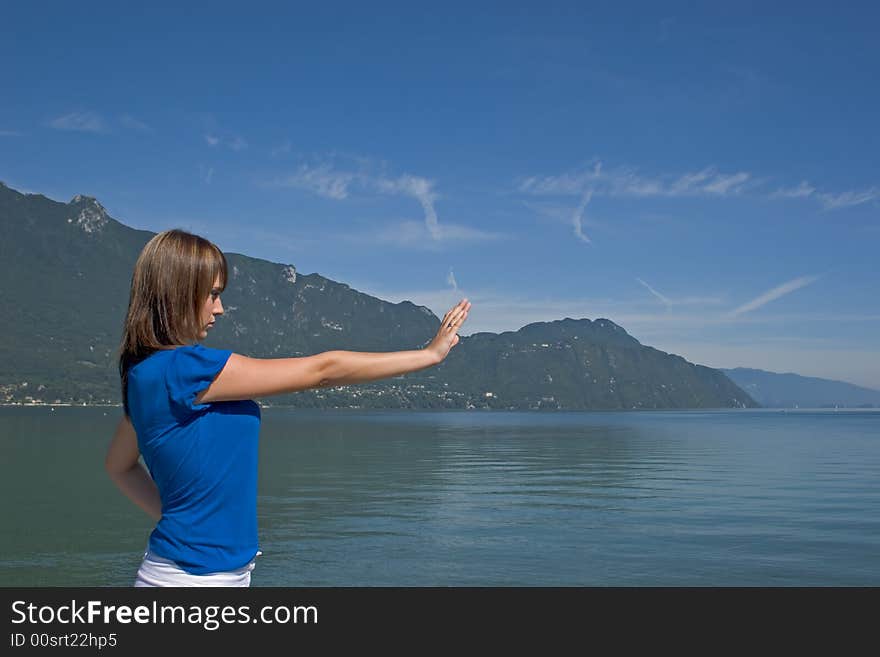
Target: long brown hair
[[172, 278]]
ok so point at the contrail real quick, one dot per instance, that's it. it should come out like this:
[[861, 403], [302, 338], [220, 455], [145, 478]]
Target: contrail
[[578, 215], [773, 294], [665, 300]]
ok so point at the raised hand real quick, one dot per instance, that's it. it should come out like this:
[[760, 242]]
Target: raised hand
[[447, 337]]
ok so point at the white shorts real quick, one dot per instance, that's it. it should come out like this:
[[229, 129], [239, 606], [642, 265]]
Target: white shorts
[[159, 571]]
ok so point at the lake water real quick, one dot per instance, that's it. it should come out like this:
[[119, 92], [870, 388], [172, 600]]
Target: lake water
[[470, 498]]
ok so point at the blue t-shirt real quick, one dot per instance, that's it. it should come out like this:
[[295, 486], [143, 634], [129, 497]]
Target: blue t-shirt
[[203, 458]]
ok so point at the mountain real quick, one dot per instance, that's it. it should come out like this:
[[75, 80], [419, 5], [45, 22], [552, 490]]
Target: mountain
[[794, 391], [66, 270]]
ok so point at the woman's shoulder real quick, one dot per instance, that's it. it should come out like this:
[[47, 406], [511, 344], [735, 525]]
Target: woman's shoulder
[[197, 358], [184, 355]]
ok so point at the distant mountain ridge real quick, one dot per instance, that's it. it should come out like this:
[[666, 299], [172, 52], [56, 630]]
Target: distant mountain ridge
[[66, 270], [794, 391]]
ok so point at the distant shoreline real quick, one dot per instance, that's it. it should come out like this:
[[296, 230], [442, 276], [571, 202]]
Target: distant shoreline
[[780, 409]]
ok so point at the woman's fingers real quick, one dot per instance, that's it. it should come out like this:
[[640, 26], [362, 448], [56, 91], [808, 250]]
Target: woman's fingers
[[459, 305], [456, 316]]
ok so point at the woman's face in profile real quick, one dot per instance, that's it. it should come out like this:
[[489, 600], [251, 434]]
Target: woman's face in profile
[[212, 306]]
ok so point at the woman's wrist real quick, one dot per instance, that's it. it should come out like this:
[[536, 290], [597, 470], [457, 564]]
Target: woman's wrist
[[435, 358]]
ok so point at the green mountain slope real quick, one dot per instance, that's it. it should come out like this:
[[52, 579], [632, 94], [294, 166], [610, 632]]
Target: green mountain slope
[[66, 269]]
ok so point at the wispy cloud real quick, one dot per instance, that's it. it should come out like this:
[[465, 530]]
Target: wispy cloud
[[80, 122], [330, 182], [232, 142], [450, 279], [322, 180], [804, 190], [415, 235], [848, 199], [772, 295], [626, 182], [723, 185], [11, 133], [418, 188], [131, 123], [88, 121], [829, 200], [623, 182], [562, 213]]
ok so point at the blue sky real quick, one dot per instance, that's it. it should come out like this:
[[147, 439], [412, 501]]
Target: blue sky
[[705, 177]]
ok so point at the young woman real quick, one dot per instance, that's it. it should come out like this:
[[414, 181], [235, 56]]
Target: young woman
[[189, 410]]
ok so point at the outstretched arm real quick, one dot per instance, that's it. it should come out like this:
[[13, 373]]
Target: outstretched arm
[[127, 472], [248, 378]]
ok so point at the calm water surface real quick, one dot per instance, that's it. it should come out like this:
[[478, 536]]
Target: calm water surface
[[399, 498]]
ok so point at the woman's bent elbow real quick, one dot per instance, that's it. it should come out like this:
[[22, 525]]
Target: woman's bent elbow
[[110, 467], [113, 466]]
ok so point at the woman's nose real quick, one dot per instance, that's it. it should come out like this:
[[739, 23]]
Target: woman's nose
[[218, 307]]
